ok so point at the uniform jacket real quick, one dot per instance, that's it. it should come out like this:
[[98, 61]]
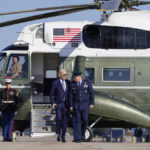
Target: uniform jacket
[[15, 68], [81, 96], [8, 100], [58, 95]]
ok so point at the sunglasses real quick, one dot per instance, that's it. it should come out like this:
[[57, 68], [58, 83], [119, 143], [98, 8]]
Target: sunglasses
[[64, 75]]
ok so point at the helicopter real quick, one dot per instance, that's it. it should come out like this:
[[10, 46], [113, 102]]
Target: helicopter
[[113, 54]]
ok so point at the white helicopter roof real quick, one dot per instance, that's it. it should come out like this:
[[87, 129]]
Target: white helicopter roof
[[133, 19]]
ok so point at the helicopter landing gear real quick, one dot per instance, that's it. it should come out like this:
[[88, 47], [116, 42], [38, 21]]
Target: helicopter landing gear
[[89, 133]]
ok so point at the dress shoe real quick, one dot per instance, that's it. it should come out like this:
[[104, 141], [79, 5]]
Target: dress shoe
[[74, 140], [58, 138], [78, 141], [9, 140], [5, 140], [63, 140], [83, 140]]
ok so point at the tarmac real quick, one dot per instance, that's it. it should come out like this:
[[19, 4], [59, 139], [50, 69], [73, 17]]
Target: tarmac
[[50, 143]]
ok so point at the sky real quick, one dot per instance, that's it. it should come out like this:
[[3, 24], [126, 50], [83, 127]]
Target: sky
[[8, 35]]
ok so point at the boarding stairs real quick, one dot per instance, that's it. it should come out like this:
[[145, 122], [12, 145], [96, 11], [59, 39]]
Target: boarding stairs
[[42, 120]]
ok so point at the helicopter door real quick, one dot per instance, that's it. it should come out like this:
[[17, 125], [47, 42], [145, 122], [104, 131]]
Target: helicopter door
[[51, 66], [44, 71]]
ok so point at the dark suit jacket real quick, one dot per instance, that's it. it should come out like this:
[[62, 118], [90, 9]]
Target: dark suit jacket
[[57, 93], [81, 96]]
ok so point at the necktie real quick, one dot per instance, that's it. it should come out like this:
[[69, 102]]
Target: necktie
[[63, 85], [78, 84]]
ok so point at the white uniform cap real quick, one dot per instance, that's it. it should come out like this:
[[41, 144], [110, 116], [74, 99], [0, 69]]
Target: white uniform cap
[[8, 80]]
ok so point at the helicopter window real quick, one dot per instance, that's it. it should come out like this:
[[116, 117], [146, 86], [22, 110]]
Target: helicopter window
[[90, 74], [2, 61], [109, 37], [129, 39], [17, 47], [39, 33], [140, 39], [116, 74], [17, 66], [91, 36], [92, 31]]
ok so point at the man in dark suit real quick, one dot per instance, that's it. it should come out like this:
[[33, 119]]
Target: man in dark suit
[[59, 97], [81, 100]]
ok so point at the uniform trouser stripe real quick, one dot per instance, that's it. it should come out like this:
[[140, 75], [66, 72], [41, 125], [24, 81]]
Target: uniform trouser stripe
[[8, 118], [12, 127]]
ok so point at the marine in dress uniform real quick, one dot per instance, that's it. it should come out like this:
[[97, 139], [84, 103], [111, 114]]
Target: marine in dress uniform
[[59, 97], [81, 100], [8, 106]]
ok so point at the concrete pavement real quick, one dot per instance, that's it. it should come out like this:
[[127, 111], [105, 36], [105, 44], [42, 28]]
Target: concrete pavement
[[73, 146], [50, 143]]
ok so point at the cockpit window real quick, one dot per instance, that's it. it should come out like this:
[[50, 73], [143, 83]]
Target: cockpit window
[[2, 61], [39, 33], [17, 66]]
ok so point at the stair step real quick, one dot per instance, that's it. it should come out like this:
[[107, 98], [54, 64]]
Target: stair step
[[44, 118], [43, 123], [38, 105], [43, 111], [42, 129], [42, 106]]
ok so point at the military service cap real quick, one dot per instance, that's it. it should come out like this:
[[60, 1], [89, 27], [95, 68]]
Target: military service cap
[[8, 80], [76, 73]]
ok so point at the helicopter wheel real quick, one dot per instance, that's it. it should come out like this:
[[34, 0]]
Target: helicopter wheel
[[88, 135]]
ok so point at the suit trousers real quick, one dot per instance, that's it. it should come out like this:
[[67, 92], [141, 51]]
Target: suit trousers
[[61, 119]]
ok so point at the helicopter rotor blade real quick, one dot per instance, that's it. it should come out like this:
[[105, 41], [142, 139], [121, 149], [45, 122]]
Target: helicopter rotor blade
[[107, 5], [48, 8], [46, 15]]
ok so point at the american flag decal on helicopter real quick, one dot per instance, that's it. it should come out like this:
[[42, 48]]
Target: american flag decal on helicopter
[[66, 35]]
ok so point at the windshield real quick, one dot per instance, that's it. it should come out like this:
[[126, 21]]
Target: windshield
[[2, 61], [17, 66]]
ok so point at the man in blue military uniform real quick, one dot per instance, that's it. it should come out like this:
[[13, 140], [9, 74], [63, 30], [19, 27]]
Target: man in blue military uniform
[[81, 100], [59, 97], [8, 106]]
